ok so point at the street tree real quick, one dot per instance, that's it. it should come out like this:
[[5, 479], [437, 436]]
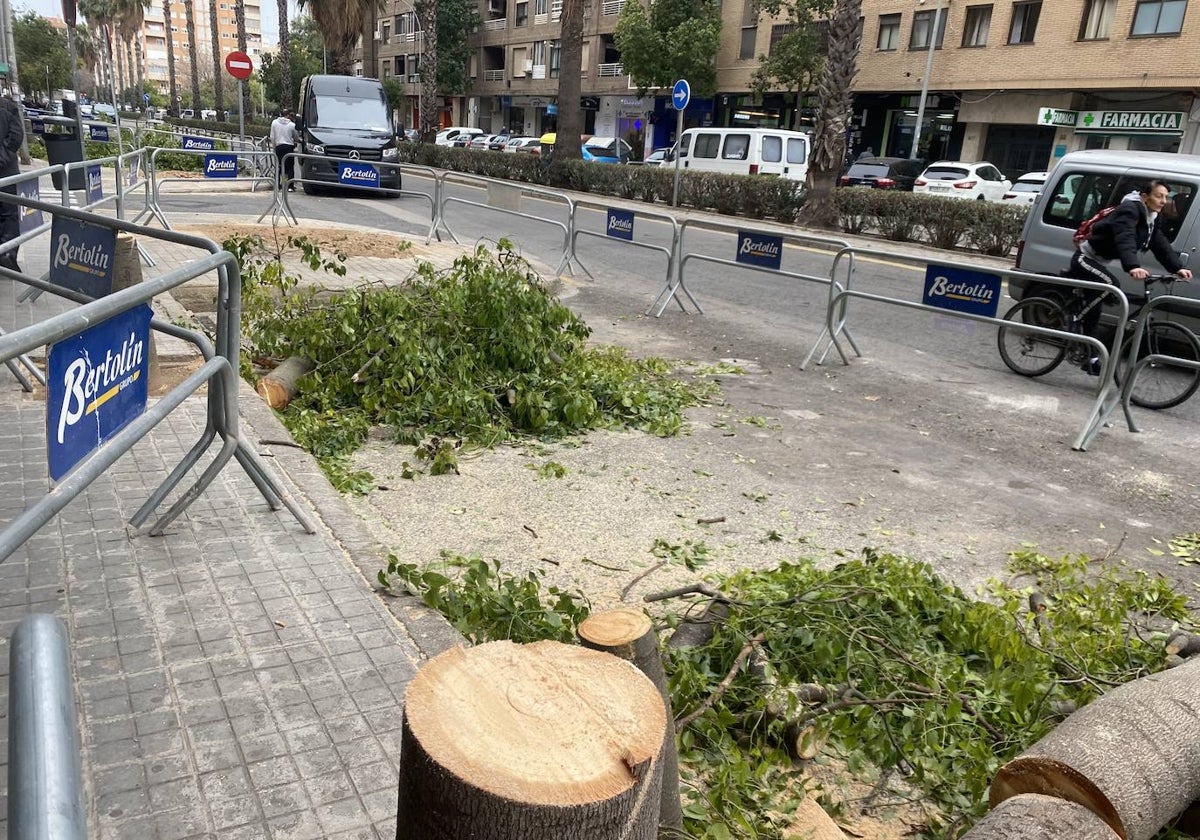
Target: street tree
[[833, 109], [568, 139], [304, 59], [41, 53], [427, 14], [798, 55], [341, 23], [285, 55], [131, 16], [239, 19], [678, 39], [218, 82], [172, 85], [189, 13]]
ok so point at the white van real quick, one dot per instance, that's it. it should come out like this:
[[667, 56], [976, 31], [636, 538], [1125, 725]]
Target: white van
[[746, 151]]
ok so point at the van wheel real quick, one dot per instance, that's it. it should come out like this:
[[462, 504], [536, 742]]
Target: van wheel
[[981, 198], [309, 189]]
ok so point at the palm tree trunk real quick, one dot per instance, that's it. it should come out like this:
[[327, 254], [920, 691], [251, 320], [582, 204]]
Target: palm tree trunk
[[171, 84], [141, 75], [285, 57], [117, 54], [190, 14], [570, 115], [218, 69], [430, 118], [239, 15], [833, 107]]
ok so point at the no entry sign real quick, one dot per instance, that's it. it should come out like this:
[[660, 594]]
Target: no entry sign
[[239, 65]]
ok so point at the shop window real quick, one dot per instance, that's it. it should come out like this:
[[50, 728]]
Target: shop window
[[923, 28], [1159, 17], [975, 29], [1024, 22], [1097, 20], [889, 33]]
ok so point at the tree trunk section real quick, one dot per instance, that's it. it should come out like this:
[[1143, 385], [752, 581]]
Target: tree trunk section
[[1131, 756], [1032, 816], [628, 634], [697, 632], [812, 823], [278, 387], [544, 741]]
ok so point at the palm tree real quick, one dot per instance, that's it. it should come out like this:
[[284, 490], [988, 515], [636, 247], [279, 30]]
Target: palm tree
[[239, 16], [285, 56], [427, 11], [341, 23], [833, 106], [190, 13], [218, 80], [101, 14], [570, 116], [174, 88]]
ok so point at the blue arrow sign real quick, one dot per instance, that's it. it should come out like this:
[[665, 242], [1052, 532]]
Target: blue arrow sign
[[146, 98], [681, 95]]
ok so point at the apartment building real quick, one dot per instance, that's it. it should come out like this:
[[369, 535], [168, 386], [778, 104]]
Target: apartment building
[[1016, 82], [154, 33]]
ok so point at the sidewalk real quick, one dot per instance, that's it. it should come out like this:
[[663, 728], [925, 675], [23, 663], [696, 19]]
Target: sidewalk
[[235, 678]]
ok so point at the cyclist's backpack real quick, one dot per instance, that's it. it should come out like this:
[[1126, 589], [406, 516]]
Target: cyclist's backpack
[[1084, 231]]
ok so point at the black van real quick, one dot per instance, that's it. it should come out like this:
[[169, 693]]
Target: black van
[[347, 119]]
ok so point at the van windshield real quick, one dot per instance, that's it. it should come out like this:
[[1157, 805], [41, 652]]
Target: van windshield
[[347, 111]]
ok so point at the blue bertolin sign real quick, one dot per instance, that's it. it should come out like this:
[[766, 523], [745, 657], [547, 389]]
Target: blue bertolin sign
[[200, 144], [99, 133], [358, 174], [95, 185], [38, 126], [31, 217], [962, 290], [220, 166], [96, 383], [620, 224], [82, 256], [759, 249]]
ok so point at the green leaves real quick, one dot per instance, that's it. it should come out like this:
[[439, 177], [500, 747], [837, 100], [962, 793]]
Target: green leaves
[[678, 39]]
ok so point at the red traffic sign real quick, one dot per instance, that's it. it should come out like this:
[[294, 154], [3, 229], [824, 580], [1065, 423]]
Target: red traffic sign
[[239, 65]]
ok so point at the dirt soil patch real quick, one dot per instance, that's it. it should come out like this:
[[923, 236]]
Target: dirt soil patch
[[353, 242]]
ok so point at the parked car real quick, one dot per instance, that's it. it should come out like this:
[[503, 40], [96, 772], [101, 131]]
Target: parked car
[[883, 173], [523, 144], [657, 158], [606, 150], [479, 142], [497, 142], [1025, 189], [978, 181], [447, 136], [411, 135]]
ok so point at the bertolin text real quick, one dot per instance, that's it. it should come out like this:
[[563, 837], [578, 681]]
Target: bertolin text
[[87, 386]]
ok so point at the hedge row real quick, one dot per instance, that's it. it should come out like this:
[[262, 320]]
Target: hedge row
[[948, 223]]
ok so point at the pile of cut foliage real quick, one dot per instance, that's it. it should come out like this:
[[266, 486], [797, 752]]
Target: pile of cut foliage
[[476, 354]]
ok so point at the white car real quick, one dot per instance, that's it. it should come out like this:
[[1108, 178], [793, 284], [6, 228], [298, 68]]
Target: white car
[[517, 144], [953, 179], [656, 158], [447, 136], [1025, 189]]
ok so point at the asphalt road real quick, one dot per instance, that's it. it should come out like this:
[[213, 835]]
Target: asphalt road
[[927, 442]]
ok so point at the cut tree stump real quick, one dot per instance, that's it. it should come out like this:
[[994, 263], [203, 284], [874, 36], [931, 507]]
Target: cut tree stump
[[543, 741], [1132, 756], [278, 387], [627, 633], [1031, 816], [812, 823]]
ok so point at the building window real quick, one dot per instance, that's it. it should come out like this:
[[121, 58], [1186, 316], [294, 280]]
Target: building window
[[539, 7], [1159, 17], [555, 58], [778, 33], [922, 26], [539, 53], [975, 30], [1097, 20], [889, 33], [749, 30], [385, 32], [522, 14], [1024, 22]]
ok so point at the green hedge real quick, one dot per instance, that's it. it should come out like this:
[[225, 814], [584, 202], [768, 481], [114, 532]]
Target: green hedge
[[985, 226]]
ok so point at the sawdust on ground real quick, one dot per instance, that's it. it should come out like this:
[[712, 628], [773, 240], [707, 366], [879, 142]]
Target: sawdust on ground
[[353, 242]]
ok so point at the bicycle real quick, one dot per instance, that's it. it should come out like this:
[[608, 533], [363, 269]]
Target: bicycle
[[1159, 385]]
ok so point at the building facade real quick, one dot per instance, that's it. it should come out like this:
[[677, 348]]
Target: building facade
[[154, 34]]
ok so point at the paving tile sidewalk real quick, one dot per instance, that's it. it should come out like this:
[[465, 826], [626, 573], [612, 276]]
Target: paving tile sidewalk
[[236, 678]]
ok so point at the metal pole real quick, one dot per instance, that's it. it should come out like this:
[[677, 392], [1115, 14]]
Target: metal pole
[[678, 149], [75, 87], [242, 111], [933, 32]]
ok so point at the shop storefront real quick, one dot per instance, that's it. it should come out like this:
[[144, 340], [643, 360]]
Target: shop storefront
[[885, 124]]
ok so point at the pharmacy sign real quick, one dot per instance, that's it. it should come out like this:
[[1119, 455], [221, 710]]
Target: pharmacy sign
[[1131, 122]]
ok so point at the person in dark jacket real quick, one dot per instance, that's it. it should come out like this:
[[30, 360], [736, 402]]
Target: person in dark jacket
[[1128, 231], [12, 135]]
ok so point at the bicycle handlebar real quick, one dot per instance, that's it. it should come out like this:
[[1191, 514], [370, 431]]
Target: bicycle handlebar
[[1164, 278]]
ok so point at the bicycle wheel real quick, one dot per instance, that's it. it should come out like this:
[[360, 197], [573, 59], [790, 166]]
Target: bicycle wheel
[[1163, 384], [1031, 354]]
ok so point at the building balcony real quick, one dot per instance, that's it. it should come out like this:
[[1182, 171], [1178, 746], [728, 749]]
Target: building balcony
[[495, 25], [612, 7], [608, 71], [494, 75]]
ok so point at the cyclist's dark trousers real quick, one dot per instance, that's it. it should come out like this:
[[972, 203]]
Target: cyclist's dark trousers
[[1085, 268], [282, 167]]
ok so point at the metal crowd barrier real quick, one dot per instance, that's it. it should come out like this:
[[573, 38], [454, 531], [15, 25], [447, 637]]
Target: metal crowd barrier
[[837, 314], [619, 222], [220, 366], [500, 192], [156, 183], [45, 778], [1139, 330]]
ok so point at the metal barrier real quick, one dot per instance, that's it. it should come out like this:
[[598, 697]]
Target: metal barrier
[[837, 313], [220, 366], [618, 229], [775, 238], [518, 190], [1139, 330], [45, 789], [217, 161]]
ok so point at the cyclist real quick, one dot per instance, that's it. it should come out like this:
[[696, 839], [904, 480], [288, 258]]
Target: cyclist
[[1129, 230]]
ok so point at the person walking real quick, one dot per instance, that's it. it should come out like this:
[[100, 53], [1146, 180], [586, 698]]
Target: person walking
[[12, 136], [283, 138]]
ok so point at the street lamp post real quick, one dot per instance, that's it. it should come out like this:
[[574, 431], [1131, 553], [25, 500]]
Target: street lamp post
[[933, 33]]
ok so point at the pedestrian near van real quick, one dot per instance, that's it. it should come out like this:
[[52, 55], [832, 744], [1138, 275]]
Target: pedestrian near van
[[1131, 229], [12, 135], [283, 138]]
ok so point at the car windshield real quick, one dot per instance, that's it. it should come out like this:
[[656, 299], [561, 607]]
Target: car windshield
[[944, 173], [348, 111], [868, 170], [1028, 186]]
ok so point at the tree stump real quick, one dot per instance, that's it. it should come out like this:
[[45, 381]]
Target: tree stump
[[628, 634], [1132, 756], [278, 387], [544, 741], [1031, 816]]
